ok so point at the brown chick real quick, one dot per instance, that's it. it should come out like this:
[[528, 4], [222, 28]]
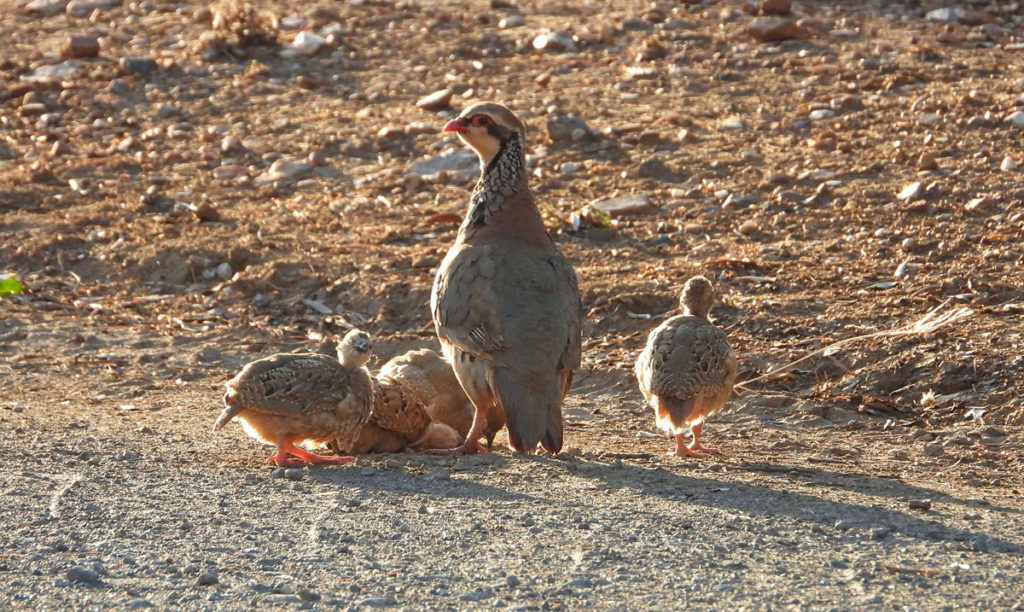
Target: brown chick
[[431, 380], [687, 369], [505, 303], [399, 422], [287, 399]]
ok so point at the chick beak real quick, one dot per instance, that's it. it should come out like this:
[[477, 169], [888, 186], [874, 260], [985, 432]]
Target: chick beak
[[457, 125]]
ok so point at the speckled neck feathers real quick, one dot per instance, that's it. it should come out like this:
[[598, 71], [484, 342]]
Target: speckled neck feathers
[[502, 178]]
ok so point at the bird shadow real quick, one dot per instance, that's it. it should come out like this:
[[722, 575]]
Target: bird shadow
[[759, 499], [427, 475], [862, 483]]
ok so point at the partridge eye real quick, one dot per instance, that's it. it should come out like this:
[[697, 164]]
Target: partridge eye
[[481, 121]]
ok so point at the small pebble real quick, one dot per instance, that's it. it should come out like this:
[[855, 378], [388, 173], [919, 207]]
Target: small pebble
[[920, 504], [82, 575], [80, 45], [511, 21], [210, 354], [733, 123], [306, 43], [437, 101], [207, 579], [557, 42], [224, 271], [294, 474], [776, 7], [307, 595], [1008, 164], [138, 65], [905, 270], [1016, 118], [927, 161], [911, 192]]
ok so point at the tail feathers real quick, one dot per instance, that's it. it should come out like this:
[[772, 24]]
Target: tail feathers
[[673, 414], [533, 413], [226, 415]]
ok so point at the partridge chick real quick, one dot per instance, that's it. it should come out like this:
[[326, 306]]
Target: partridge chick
[[505, 303], [399, 422], [287, 399], [687, 369], [431, 380]]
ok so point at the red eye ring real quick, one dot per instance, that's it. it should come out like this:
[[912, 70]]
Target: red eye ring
[[481, 120]]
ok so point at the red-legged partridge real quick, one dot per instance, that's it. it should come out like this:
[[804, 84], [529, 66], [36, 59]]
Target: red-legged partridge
[[399, 422], [687, 369], [505, 303], [431, 380], [288, 399]]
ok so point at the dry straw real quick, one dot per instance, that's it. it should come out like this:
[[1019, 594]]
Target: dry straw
[[927, 324]]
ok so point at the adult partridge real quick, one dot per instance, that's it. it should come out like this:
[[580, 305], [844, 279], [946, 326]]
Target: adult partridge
[[290, 398], [687, 369], [505, 303]]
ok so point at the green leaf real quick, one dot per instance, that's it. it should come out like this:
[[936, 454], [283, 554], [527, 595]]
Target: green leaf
[[9, 284], [598, 217]]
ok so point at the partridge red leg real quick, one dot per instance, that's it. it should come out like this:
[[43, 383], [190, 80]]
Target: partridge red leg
[[684, 451], [695, 446], [302, 457]]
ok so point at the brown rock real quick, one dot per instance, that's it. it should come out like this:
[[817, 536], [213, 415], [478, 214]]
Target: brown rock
[[83, 8], [812, 24], [774, 29], [776, 7], [80, 45], [437, 101], [59, 148], [927, 161], [980, 205], [636, 204]]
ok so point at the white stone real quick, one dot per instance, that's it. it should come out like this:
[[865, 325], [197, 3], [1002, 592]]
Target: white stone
[[511, 21], [307, 43], [1016, 118], [733, 123], [457, 161], [911, 191], [224, 271]]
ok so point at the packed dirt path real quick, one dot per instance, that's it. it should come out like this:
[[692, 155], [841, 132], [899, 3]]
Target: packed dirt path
[[183, 189]]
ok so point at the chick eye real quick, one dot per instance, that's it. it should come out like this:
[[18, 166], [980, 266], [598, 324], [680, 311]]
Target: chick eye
[[481, 121]]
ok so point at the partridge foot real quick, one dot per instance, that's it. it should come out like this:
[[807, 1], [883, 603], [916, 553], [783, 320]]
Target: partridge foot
[[687, 452], [469, 447], [697, 448], [289, 455], [693, 450]]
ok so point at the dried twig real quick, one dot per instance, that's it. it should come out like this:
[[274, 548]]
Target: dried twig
[[930, 322], [927, 572]]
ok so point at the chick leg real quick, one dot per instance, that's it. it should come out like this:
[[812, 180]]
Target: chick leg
[[301, 457], [695, 446], [471, 445], [682, 450]]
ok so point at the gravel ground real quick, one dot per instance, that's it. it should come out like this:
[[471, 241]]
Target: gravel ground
[[185, 187]]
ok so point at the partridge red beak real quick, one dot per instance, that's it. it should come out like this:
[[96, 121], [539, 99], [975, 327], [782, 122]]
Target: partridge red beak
[[457, 125]]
